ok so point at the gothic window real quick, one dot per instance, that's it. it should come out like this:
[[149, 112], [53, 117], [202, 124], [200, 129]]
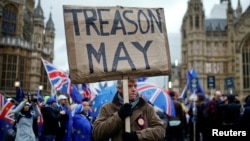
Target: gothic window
[[225, 67], [9, 69], [246, 64], [191, 48], [21, 68], [191, 22], [197, 21], [216, 48], [184, 34], [13, 67], [44, 79], [208, 68], [208, 49], [9, 20], [225, 48], [198, 66], [196, 48], [216, 67]]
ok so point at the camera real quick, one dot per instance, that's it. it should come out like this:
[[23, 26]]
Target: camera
[[34, 100]]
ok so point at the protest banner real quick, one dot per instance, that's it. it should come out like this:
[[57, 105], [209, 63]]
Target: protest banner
[[111, 43]]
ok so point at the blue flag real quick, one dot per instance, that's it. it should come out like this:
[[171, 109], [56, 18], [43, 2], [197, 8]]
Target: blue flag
[[193, 76], [75, 94], [19, 95], [68, 134], [39, 96]]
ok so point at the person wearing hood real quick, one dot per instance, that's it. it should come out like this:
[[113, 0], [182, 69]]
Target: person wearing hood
[[25, 116], [145, 124], [82, 128], [245, 119]]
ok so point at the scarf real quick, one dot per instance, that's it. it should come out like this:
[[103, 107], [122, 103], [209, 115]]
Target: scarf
[[133, 103], [26, 114]]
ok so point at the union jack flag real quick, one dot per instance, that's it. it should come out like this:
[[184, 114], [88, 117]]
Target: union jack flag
[[157, 96], [86, 90], [61, 81], [6, 116]]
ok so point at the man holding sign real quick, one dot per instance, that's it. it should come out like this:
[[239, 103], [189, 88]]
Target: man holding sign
[[145, 124]]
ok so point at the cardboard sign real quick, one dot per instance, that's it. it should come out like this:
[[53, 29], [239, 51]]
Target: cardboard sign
[[110, 43]]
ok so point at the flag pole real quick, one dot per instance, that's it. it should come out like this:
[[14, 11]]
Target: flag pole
[[194, 120], [194, 110], [126, 100]]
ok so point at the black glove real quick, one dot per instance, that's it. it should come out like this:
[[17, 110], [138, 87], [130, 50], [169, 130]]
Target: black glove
[[125, 111], [129, 136]]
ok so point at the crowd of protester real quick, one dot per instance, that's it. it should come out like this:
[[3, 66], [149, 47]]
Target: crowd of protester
[[223, 112], [194, 118]]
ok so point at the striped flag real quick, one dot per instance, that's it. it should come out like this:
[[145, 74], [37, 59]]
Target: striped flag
[[6, 116], [61, 81]]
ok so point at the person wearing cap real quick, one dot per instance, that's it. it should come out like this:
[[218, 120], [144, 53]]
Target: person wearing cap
[[82, 127], [25, 116], [145, 123], [51, 119], [64, 132]]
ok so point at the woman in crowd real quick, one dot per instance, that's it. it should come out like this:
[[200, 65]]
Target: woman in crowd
[[26, 116]]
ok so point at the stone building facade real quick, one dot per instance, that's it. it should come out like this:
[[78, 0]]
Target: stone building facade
[[25, 38], [217, 46]]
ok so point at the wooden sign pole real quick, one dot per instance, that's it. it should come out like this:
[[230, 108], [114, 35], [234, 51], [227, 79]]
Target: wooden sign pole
[[126, 100]]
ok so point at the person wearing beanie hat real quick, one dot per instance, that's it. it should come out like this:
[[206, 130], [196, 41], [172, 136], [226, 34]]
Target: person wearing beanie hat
[[50, 100], [62, 97], [46, 98], [65, 131], [51, 119]]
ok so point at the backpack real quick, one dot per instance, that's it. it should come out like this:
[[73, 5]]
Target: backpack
[[211, 111]]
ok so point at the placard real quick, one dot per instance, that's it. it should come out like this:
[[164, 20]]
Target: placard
[[110, 43]]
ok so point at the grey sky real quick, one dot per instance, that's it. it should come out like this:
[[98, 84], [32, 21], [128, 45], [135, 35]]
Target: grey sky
[[174, 12]]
